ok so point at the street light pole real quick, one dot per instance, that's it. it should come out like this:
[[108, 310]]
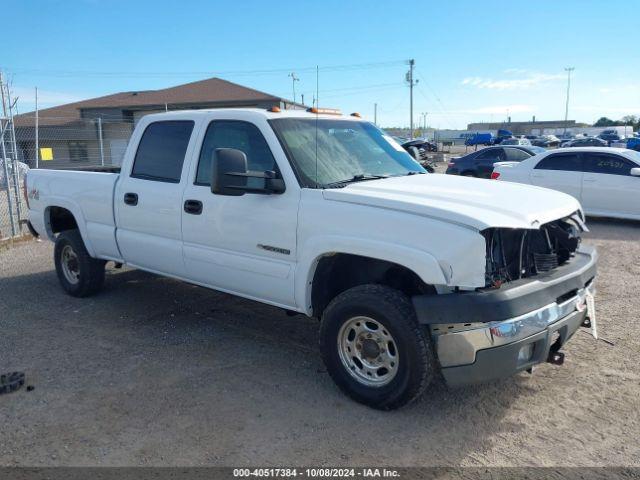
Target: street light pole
[[566, 108]]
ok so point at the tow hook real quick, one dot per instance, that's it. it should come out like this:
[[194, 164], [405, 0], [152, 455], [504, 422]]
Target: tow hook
[[586, 323], [556, 358]]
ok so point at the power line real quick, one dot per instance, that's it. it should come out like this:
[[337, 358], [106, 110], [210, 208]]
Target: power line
[[277, 71]]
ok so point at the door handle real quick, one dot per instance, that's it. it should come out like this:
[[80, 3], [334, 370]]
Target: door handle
[[194, 207], [588, 180], [131, 199]]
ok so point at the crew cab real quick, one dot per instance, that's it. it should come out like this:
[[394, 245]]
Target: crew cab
[[411, 274]]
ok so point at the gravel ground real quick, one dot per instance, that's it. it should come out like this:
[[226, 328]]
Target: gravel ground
[[157, 372]]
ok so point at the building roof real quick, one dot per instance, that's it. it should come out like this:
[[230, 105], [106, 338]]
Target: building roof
[[203, 92]]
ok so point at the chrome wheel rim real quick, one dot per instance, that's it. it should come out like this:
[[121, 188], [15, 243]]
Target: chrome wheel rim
[[368, 351], [70, 265]]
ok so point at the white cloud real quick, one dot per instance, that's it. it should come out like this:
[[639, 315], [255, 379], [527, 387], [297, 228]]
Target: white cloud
[[526, 80]]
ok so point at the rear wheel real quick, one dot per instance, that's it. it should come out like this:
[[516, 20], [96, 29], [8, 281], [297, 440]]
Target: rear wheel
[[79, 274], [374, 349]]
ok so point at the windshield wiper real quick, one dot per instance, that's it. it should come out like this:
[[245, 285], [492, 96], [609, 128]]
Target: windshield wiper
[[361, 177]]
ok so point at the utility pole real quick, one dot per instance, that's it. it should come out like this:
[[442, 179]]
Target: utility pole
[[412, 83], [294, 79], [375, 114], [302, 96], [424, 122], [566, 107]]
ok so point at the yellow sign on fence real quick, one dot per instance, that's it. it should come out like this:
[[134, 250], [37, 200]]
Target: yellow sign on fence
[[46, 153]]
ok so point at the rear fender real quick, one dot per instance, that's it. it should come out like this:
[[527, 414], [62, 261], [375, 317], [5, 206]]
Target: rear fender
[[76, 211]]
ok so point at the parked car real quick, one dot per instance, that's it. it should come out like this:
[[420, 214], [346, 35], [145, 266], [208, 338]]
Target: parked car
[[516, 141], [479, 139], [545, 141], [22, 170], [606, 180], [610, 136], [633, 143], [412, 276], [480, 163], [422, 143], [585, 142]]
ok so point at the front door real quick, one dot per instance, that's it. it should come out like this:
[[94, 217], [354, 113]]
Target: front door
[[241, 244], [148, 199], [559, 171]]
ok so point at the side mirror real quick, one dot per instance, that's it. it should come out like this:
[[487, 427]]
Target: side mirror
[[229, 175], [228, 172], [635, 172]]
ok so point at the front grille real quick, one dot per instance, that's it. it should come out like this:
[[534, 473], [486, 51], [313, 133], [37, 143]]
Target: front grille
[[521, 253]]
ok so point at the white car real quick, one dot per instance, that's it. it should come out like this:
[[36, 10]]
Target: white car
[[605, 180]]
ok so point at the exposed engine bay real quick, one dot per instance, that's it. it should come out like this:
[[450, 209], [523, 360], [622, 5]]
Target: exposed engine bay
[[513, 254]]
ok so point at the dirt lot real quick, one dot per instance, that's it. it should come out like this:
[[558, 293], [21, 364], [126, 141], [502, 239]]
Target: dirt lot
[[157, 372]]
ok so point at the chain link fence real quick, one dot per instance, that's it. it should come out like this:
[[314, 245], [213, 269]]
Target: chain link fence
[[54, 143]]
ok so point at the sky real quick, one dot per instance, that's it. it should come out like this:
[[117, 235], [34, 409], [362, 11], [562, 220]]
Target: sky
[[475, 61]]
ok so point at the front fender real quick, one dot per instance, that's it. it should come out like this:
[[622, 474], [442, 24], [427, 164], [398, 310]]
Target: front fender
[[422, 263]]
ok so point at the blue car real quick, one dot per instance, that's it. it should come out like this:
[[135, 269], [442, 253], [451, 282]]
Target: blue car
[[634, 143]]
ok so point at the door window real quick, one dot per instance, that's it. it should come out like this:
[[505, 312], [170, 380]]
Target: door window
[[243, 136], [607, 164], [493, 154], [516, 155], [569, 162], [161, 151]]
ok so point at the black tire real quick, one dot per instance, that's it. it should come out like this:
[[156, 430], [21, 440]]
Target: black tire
[[90, 270], [392, 309]]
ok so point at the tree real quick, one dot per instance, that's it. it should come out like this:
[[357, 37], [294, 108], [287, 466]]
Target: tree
[[604, 122], [629, 120]]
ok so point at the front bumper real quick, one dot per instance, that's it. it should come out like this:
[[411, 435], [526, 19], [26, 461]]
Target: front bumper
[[509, 329]]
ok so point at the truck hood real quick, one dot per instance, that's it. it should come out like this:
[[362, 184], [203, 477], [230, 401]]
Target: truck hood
[[472, 202]]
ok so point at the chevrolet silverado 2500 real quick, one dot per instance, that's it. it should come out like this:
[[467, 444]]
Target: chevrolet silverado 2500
[[412, 275]]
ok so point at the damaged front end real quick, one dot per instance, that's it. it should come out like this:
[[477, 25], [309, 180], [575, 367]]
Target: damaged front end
[[513, 254]]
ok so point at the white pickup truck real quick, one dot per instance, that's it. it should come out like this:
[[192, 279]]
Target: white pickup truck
[[412, 275]]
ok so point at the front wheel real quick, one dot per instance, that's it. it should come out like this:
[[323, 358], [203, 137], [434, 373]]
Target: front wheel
[[80, 275], [374, 349]]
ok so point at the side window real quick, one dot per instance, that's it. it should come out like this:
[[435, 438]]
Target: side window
[[161, 151], [492, 154], [608, 164], [569, 162], [516, 155], [236, 134]]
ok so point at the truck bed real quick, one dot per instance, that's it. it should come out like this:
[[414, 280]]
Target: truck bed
[[85, 192]]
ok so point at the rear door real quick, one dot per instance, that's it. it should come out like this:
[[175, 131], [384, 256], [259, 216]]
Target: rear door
[[559, 171], [148, 198], [608, 187]]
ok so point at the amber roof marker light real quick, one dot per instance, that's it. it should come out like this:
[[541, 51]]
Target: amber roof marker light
[[324, 111], [275, 109]]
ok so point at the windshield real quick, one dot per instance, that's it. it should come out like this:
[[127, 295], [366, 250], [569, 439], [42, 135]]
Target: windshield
[[345, 151]]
